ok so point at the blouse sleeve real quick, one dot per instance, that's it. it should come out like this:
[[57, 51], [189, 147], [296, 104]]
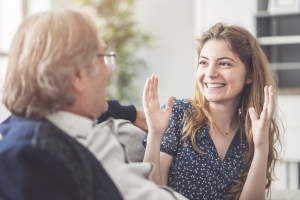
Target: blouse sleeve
[[173, 133]]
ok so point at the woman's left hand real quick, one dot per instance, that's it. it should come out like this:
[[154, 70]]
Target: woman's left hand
[[261, 125]]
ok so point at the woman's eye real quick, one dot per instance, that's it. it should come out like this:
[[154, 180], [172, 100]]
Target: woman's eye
[[201, 62], [224, 64]]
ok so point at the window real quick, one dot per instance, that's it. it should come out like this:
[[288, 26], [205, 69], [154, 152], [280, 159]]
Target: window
[[12, 12]]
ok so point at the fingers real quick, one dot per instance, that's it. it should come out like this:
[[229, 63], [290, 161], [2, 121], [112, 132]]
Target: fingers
[[146, 93], [150, 88], [155, 88], [266, 93], [264, 113], [253, 115], [169, 104], [271, 106], [268, 107], [150, 93]]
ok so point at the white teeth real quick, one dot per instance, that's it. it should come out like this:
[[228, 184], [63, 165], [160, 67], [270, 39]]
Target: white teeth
[[214, 85]]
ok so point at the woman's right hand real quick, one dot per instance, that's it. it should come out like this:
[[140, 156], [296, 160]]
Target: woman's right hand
[[157, 119]]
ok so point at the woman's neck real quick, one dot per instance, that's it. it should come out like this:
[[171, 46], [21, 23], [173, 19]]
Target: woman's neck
[[224, 116]]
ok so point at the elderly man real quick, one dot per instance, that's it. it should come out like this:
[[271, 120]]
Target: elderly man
[[55, 88]]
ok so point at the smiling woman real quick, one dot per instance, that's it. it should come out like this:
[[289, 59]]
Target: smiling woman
[[221, 75], [187, 139]]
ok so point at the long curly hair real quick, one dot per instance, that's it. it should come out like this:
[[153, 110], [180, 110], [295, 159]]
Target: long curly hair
[[243, 44]]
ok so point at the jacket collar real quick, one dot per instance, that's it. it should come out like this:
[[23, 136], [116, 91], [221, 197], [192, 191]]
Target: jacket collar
[[75, 125]]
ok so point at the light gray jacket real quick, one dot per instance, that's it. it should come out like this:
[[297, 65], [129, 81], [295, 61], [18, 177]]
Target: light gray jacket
[[117, 144], [133, 179]]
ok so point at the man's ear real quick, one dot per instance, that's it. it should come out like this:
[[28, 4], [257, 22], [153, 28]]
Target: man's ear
[[79, 80]]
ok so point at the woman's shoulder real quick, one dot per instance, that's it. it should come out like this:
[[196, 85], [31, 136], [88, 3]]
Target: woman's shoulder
[[182, 104]]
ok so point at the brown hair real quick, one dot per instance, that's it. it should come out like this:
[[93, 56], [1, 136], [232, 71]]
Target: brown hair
[[243, 44], [46, 50]]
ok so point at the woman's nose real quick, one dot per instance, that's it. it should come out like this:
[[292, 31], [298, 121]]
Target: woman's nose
[[212, 71]]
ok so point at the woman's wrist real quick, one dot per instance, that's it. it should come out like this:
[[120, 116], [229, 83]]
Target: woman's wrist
[[261, 150], [154, 137]]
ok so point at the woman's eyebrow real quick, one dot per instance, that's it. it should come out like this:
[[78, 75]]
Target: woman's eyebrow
[[219, 58], [226, 58], [203, 57]]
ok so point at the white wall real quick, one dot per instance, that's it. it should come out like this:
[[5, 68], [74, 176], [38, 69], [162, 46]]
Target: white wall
[[10, 18], [172, 59], [290, 109], [239, 12], [288, 172]]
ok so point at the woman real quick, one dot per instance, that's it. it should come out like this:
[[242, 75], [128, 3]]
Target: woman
[[215, 145]]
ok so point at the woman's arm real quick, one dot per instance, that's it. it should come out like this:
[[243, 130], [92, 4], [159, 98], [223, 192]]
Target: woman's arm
[[165, 163], [255, 184], [161, 160], [157, 121]]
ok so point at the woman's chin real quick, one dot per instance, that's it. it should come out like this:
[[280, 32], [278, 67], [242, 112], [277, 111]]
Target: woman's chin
[[212, 99]]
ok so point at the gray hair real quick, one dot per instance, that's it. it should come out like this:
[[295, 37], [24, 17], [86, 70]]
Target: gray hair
[[46, 50]]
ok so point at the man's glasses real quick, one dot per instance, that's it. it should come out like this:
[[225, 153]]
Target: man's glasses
[[109, 58]]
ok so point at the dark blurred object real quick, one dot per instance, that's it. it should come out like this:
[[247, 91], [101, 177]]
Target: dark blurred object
[[3, 54], [144, 142]]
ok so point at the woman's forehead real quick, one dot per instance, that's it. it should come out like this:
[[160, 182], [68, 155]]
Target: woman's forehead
[[217, 48]]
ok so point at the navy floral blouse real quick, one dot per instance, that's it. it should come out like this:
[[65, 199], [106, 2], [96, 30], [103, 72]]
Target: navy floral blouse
[[195, 175]]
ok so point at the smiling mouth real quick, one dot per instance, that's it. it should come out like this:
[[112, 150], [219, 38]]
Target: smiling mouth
[[214, 85]]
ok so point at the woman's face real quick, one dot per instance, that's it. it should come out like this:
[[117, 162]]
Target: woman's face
[[221, 75]]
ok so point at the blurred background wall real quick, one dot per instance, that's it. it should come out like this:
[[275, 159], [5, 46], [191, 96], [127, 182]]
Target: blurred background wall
[[174, 25]]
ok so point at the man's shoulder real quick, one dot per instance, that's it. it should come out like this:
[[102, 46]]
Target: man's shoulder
[[17, 132], [21, 134], [28, 139], [182, 101]]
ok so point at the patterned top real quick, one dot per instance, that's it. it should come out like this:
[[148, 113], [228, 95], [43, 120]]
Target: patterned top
[[195, 175]]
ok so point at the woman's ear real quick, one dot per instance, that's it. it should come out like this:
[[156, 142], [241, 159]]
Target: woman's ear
[[248, 80]]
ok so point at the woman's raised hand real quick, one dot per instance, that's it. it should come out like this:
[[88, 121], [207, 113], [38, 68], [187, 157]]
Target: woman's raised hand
[[261, 125], [157, 119]]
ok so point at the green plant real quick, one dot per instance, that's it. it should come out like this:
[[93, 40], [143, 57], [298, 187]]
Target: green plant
[[121, 33]]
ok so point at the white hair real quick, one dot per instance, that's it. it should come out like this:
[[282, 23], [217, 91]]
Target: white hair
[[46, 50]]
